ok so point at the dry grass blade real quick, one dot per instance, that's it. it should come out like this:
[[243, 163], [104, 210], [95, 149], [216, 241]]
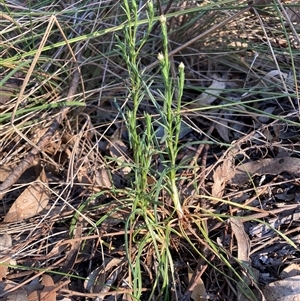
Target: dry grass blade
[[202, 35], [28, 161]]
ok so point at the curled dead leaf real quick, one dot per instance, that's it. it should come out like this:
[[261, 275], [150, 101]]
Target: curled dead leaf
[[222, 175]]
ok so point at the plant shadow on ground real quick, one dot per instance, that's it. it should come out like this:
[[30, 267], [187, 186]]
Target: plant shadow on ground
[[149, 151]]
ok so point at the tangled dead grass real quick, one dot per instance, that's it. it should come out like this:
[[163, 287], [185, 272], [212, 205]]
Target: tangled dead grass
[[67, 169]]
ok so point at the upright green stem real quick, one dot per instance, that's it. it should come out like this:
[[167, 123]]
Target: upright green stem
[[172, 120]]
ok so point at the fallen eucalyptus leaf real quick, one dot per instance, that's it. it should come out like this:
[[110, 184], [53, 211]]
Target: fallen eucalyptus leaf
[[293, 13], [221, 176], [118, 150], [272, 166], [222, 129], [290, 271], [30, 202], [48, 293], [18, 294], [284, 290], [199, 292], [207, 97], [5, 242], [102, 278]]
